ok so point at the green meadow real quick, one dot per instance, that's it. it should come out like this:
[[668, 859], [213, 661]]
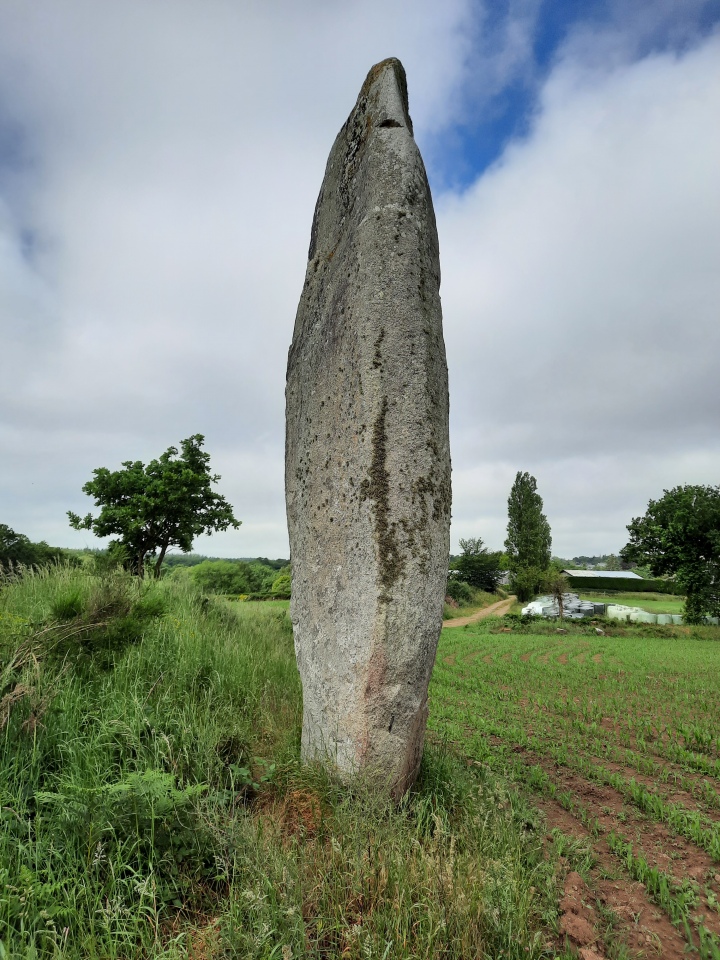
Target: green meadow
[[652, 602], [153, 803]]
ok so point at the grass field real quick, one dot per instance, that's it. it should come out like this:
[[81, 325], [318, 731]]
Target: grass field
[[261, 607], [153, 804], [652, 602], [617, 739]]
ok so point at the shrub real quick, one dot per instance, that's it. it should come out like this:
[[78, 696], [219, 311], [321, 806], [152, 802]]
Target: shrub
[[525, 583], [459, 591], [68, 605], [281, 587]]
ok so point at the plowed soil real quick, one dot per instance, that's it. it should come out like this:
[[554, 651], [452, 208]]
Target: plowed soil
[[616, 739]]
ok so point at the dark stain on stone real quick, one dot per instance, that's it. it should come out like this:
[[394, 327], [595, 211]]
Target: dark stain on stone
[[377, 357], [376, 487]]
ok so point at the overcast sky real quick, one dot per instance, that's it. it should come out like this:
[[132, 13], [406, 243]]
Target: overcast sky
[[159, 166]]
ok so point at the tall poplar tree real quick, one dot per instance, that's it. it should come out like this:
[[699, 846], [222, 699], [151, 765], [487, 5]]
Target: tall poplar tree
[[528, 536]]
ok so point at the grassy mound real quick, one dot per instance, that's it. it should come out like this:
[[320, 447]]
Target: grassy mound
[[153, 803]]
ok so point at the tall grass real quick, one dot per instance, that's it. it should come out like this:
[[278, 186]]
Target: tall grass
[[152, 803]]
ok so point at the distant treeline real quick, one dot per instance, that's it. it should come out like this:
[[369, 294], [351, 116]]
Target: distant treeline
[[257, 577], [193, 559], [18, 550]]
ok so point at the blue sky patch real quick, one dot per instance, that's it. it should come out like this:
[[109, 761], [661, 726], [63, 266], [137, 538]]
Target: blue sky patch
[[459, 155]]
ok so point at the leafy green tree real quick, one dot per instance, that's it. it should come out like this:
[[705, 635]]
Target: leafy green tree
[[226, 576], [281, 586], [680, 535], [150, 508], [15, 547], [477, 566], [264, 576], [528, 536]]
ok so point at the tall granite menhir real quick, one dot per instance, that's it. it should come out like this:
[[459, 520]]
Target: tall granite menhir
[[367, 450]]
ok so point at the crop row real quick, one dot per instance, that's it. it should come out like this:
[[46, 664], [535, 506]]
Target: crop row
[[677, 899], [689, 824], [639, 752]]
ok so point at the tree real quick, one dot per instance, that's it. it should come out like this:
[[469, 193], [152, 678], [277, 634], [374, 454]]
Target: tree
[[225, 576], [528, 536], [16, 548], [151, 508], [477, 566], [680, 535], [557, 585]]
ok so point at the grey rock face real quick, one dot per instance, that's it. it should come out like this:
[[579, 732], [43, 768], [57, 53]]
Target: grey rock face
[[367, 450]]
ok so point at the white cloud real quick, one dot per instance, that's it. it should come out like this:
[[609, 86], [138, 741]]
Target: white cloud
[[172, 153], [580, 292], [177, 150]]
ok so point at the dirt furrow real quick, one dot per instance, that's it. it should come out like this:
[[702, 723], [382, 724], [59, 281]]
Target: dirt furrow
[[673, 855], [640, 925]]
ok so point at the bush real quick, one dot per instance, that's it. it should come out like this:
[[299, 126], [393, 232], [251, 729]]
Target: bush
[[281, 587], [225, 576], [233, 577], [526, 583], [459, 591]]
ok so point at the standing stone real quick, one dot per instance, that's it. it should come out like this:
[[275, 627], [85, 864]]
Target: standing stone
[[367, 451]]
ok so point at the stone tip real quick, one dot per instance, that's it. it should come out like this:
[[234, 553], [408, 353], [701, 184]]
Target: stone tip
[[398, 71]]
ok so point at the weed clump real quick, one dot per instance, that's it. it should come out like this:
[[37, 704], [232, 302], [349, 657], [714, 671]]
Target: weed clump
[[118, 702]]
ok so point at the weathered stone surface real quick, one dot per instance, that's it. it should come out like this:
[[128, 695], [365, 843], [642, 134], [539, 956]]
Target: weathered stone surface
[[367, 449]]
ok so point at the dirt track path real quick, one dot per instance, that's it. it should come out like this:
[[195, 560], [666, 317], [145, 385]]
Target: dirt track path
[[495, 609]]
